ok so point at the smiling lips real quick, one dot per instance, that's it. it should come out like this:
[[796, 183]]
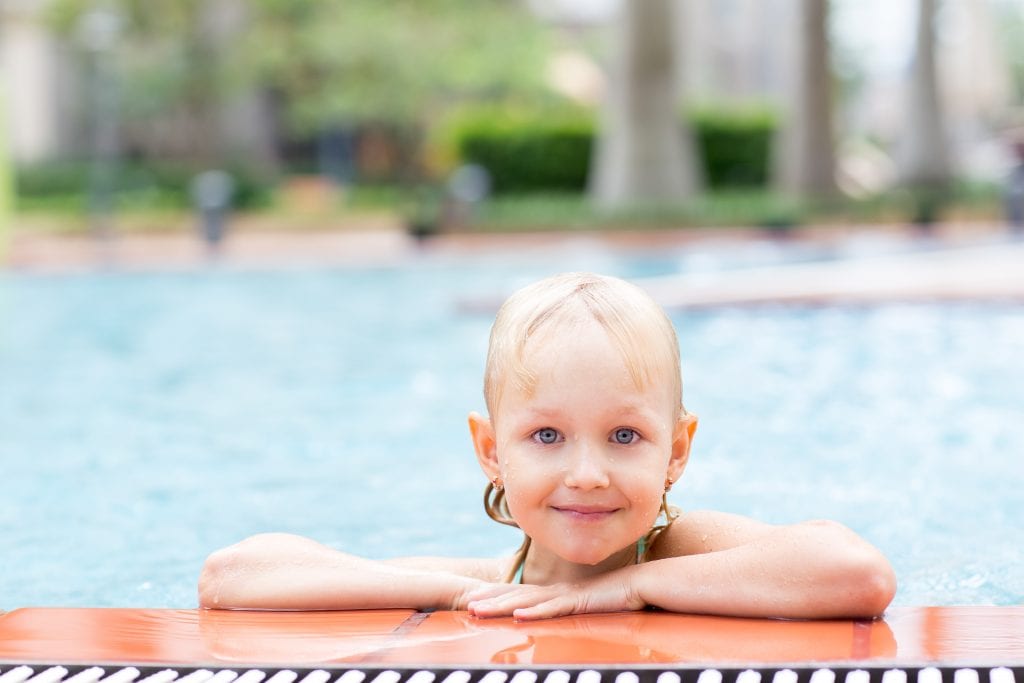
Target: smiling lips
[[585, 513]]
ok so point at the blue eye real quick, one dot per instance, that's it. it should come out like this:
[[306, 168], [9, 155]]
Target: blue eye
[[625, 435], [547, 435]]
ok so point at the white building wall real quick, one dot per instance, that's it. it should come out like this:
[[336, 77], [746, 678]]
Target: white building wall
[[28, 67]]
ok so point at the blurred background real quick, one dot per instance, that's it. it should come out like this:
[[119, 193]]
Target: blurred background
[[494, 115], [160, 397]]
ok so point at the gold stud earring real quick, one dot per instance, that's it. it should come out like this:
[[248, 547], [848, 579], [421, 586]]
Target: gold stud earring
[[496, 484], [668, 484]]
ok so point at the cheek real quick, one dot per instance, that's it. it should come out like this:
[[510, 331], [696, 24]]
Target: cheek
[[524, 499], [645, 492], [524, 482], [515, 504]]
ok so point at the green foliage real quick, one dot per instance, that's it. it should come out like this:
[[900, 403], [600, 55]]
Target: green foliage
[[526, 149], [548, 149], [572, 211], [735, 145], [169, 55], [65, 185], [51, 180], [325, 63], [356, 61]]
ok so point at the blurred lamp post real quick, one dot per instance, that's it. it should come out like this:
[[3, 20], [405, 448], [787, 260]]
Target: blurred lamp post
[[211, 194], [98, 32]]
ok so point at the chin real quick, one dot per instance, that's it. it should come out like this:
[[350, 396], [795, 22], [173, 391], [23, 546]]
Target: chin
[[588, 556]]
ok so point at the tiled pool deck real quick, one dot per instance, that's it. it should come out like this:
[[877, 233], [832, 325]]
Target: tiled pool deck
[[951, 262]]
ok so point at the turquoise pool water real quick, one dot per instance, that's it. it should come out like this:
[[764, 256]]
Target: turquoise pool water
[[147, 419]]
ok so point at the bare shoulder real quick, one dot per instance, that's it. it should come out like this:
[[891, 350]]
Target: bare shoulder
[[707, 531], [492, 570]]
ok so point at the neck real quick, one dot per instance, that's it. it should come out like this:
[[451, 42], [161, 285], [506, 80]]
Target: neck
[[543, 567]]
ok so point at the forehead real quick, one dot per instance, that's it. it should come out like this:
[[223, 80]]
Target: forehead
[[571, 343], [581, 353]]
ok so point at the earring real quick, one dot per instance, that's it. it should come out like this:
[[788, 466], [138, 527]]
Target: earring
[[668, 484], [497, 484]]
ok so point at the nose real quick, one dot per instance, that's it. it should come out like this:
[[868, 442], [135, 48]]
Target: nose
[[586, 467]]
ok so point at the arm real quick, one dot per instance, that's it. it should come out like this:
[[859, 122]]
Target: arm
[[713, 563], [281, 571], [724, 564]]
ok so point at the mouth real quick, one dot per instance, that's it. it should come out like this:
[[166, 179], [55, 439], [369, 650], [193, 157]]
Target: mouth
[[585, 513]]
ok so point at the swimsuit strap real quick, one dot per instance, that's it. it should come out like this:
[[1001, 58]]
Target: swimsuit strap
[[641, 548], [518, 578]]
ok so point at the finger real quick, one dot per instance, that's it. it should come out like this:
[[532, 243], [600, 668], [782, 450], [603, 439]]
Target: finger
[[555, 607], [490, 591], [496, 607], [503, 605]]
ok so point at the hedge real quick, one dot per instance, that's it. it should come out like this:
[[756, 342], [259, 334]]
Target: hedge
[[734, 145], [531, 151], [526, 151], [67, 185]]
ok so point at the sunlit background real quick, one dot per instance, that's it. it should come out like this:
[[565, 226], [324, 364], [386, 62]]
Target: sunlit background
[[250, 251], [854, 111]]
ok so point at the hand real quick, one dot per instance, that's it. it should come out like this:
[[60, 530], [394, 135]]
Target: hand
[[612, 592]]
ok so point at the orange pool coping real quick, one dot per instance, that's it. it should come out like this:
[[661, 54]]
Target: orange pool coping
[[907, 636]]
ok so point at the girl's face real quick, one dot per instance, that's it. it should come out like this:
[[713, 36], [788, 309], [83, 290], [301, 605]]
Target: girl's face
[[585, 455]]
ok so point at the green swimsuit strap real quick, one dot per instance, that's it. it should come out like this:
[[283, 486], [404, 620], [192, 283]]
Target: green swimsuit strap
[[641, 548], [518, 578]]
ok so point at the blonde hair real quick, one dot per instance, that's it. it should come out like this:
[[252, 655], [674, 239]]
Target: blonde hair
[[636, 324]]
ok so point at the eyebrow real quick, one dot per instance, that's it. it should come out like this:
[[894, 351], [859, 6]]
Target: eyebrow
[[627, 410], [543, 412]]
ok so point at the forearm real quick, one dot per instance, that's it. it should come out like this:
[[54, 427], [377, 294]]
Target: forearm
[[277, 571], [812, 570]]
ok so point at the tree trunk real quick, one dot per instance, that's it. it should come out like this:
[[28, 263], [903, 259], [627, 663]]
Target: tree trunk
[[926, 162], [642, 153], [805, 148]]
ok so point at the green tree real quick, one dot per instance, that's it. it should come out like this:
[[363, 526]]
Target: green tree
[[401, 61], [326, 63], [177, 63]]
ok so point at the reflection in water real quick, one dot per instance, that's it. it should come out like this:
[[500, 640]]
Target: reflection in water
[[641, 637], [908, 636]]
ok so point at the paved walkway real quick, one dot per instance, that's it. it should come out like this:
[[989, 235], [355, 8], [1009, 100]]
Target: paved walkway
[[967, 273], [960, 262]]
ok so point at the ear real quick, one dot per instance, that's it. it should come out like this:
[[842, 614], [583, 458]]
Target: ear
[[686, 427], [482, 432]]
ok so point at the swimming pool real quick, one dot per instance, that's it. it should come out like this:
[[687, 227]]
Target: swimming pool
[[146, 419]]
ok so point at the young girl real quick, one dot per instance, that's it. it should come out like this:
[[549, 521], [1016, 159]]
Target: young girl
[[586, 433]]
